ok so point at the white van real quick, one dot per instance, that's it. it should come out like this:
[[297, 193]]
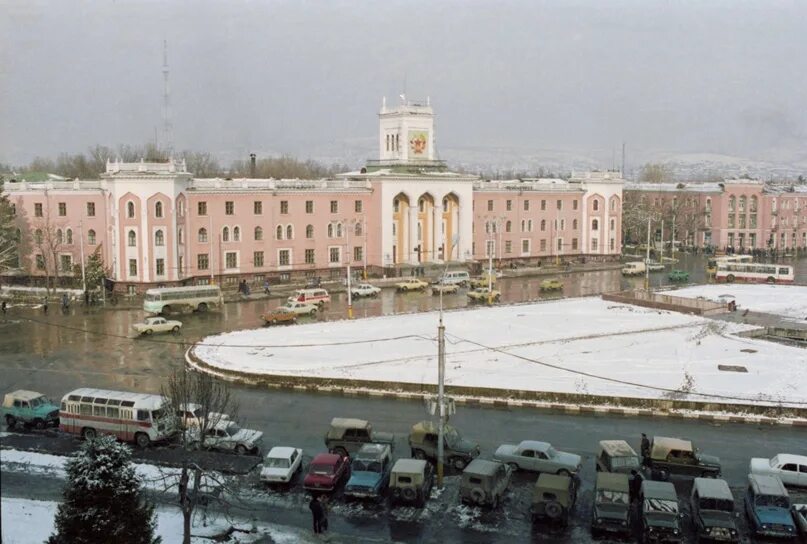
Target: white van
[[634, 269], [312, 296], [455, 277]]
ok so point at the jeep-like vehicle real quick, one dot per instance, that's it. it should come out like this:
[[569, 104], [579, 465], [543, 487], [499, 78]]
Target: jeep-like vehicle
[[411, 482], [768, 507], [553, 498], [612, 512], [29, 408], [347, 435], [660, 517], [484, 482], [616, 456], [457, 450], [670, 456], [713, 510], [370, 472]]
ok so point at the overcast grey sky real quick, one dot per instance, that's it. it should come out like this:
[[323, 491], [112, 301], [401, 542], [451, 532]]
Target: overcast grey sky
[[291, 76]]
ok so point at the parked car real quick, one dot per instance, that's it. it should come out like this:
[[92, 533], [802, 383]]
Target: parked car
[[634, 269], [712, 506], [654, 266], [412, 284], [365, 290], [616, 456], [483, 294], [347, 435], [483, 281], [157, 324], [791, 469], [411, 482], [553, 499], [538, 456], [800, 517], [326, 472], [282, 314], [484, 482], [670, 456], [446, 289], [678, 275], [314, 296], [659, 511], [300, 308], [191, 416], [455, 277], [552, 284], [767, 505], [370, 472], [281, 465], [457, 450], [29, 408], [611, 513], [226, 435]]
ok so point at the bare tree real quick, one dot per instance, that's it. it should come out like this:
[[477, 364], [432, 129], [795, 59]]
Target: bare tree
[[48, 237], [656, 173], [210, 399], [201, 164]]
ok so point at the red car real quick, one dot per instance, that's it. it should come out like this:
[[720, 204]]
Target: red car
[[326, 472]]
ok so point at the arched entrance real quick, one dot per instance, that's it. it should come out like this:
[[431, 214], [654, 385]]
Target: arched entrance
[[424, 236], [449, 231], [400, 229]]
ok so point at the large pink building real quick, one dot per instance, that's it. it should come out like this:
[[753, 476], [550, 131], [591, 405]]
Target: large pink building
[[155, 224]]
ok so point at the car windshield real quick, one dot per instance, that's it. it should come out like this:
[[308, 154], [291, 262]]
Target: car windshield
[[551, 452], [156, 415], [607, 496], [152, 298], [452, 437], [277, 462], [777, 501], [660, 506], [366, 465], [724, 505], [233, 429], [39, 401], [627, 461], [321, 469]]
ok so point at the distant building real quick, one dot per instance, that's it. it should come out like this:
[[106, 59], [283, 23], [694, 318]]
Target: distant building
[[155, 224]]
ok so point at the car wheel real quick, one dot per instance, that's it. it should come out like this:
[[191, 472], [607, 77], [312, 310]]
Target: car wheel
[[513, 466], [458, 463], [730, 278], [148, 332], [553, 510], [564, 472], [771, 279], [202, 307], [39, 424], [274, 321], [11, 421], [240, 449], [142, 440], [313, 312], [88, 433], [175, 330], [478, 495]]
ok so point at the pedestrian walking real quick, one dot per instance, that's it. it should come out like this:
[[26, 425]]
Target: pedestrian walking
[[317, 513], [45, 305], [325, 507], [645, 448], [65, 302], [4, 307], [86, 298], [635, 486], [266, 287]]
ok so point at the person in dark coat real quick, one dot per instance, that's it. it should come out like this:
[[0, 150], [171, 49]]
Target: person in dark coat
[[45, 305], [645, 448], [636, 480], [4, 307], [318, 514]]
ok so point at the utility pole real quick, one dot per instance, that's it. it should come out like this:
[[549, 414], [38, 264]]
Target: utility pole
[[81, 245], [348, 255], [167, 128], [647, 259], [441, 408], [364, 253], [623, 160]]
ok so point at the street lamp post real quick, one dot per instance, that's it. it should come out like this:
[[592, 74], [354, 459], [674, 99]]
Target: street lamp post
[[349, 293], [81, 245]]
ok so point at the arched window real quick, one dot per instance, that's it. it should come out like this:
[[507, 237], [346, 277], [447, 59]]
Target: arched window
[[613, 204], [574, 224], [543, 224], [158, 209], [753, 204], [357, 230], [595, 225], [225, 234], [523, 223], [596, 205], [130, 209], [487, 227], [309, 231], [421, 205], [289, 232], [159, 238], [508, 227], [59, 236], [493, 226], [38, 236], [203, 235], [236, 234], [529, 225], [132, 238], [339, 230], [179, 235], [742, 204], [330, 230], [69, 233], [279, 232], [91, 237], [258, 233], [732, 203], [396, 206]]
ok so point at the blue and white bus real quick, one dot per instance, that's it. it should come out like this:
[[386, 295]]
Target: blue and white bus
[[164, 300]]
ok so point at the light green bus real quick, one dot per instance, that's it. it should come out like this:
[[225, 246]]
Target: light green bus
[[165, 300]]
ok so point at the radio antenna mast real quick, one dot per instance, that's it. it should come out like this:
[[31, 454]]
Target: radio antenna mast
[[167, 127]]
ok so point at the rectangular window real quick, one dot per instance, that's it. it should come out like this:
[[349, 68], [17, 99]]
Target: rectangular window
[[731, 221], [284, 207], [543, 246], [180, 264], [742, 221], [229, 207], [38, 209], [90, 209], [560, 204], [133, 267], [358, 253], [201, 208], [333, 255], [160, 267], [202, 261], [357, 206], [334, 206], [525, 247], [40, 262], [753, 221], [257, 207], [508, 246], [509, 205], [560, 244], [62, 209], [612, 244], [574, 204], [490, 205], [594, 244], [309, 206], [526, 205], [543, 205], [574, 244], [283, 257], [309, 256], [231, 259], [257, 259]]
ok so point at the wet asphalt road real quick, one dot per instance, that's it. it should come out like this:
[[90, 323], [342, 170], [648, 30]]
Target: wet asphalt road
[[53, 355]]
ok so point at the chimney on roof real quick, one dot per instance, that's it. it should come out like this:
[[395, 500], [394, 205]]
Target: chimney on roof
[[253, 167]]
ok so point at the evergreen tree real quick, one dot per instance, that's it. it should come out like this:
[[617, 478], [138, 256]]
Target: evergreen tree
[[103, 501]]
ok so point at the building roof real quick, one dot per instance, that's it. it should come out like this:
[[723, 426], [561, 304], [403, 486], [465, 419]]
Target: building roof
[[678, 187], [546, 185]]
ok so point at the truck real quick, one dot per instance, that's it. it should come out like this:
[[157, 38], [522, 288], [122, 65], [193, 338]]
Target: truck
[[29, 408]]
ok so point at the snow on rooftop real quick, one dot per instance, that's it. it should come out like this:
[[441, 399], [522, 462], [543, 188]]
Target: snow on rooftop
[[648, 347], [784, 300]]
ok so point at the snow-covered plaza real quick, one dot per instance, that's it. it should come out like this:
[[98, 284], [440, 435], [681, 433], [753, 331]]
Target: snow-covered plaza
[[583, 345]]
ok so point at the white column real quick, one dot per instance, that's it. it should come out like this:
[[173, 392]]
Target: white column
[[412, 257], [437, 231]]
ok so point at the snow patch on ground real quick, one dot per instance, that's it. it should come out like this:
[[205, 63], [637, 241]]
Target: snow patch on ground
[[785, 300], [533, 347]]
